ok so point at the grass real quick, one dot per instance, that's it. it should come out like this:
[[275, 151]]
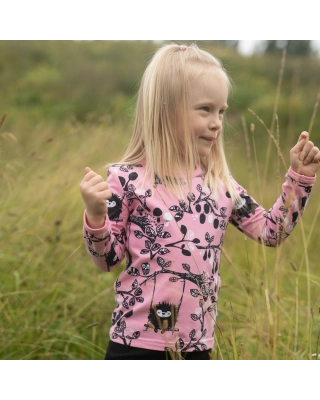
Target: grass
[[55, 304]]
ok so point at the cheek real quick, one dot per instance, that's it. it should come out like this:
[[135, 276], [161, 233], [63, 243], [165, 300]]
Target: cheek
[[197, 127]]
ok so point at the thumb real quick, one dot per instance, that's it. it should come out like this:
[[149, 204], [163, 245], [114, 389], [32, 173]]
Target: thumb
[[87, 170]]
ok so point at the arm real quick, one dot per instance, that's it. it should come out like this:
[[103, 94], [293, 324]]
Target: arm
[[104, 227], [273, 227]]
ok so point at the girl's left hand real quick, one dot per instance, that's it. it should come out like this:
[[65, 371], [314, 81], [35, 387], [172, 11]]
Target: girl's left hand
[[305, 156]]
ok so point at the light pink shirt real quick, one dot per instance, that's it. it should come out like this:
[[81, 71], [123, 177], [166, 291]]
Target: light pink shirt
[[166, 295]]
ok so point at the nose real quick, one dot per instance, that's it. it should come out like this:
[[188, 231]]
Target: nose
[[215, 122]]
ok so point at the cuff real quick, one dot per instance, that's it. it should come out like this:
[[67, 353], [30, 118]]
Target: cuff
[[105, 227], [302, 179]]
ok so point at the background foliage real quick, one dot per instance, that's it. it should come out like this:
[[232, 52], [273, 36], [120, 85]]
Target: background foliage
[[70, 104]]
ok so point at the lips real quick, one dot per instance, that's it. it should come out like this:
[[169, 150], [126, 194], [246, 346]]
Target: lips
[[208, 139]]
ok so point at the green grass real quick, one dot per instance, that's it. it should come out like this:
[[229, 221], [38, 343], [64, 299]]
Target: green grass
[[55, 304]]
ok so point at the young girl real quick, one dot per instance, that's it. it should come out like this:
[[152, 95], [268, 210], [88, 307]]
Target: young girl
[[166, 206]]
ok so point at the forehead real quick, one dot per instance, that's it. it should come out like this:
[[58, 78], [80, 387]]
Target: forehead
[[210, 86]]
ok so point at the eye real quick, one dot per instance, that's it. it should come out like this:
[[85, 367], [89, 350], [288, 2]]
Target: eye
[[221, 112], [205, 108]]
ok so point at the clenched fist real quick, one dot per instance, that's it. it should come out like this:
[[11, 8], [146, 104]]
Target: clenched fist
[[95, 192], [305, 156]]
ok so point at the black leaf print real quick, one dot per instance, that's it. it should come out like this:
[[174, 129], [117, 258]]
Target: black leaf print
[[135, 335], [223, 225], [164, 235], [145, 268], [183, 205], [138, 234], [160, 261], [195, 292], [133, 271], [114, 336], [159, 228], [174, 208], [167, 264], [156, 247], [140, 299], [150, 232], [192, 333], [183, 229], [122, 180], [179, 344], [194, 317], [173, 279], [144, 251], [134, 284], [186, 252], [206, 208], [223, 211], [132, 301], [147, 244], [128, 314], [216, 223], [198, 208], [186, 267], [163, 251], [202, 218], [178, 216], [118, 284], [191, 197], [138, 291]]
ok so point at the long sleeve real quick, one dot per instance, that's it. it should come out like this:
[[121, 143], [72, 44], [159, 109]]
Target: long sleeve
[[272, 227], [106, 245]]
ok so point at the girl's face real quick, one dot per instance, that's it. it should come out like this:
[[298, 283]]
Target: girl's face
[[208, 102]]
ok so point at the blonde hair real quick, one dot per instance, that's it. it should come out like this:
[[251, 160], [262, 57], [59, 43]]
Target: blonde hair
[[162, 108]]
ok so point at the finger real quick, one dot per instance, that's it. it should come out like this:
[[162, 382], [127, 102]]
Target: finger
[[301, 142], [87, 169], [316, 159], [93, 179], [308, 146], [311, 155], [101, 187]]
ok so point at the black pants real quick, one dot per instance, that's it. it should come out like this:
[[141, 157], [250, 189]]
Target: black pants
[[116, 351]]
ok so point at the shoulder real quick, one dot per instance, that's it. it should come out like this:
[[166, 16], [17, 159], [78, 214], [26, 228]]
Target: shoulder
[[238, 188], [131, 171], [123, 175]]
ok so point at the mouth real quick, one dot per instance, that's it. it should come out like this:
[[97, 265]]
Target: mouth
[[207, 139]]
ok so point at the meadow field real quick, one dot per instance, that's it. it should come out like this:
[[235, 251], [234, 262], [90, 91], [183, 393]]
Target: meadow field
[[68, 105]]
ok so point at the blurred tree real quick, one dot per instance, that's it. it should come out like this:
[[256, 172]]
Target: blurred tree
[[293, 47]]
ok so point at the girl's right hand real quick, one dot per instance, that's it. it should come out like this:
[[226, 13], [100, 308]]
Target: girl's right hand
[[95, 192]]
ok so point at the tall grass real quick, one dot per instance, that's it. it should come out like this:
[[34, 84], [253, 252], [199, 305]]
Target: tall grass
[[55, 304]]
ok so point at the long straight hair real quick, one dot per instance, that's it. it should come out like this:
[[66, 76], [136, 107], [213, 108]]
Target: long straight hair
[[162, 137]]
